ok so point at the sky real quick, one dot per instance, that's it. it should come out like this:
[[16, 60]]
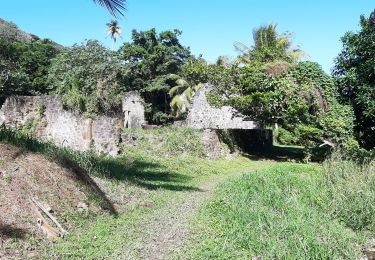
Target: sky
[[210, 27]]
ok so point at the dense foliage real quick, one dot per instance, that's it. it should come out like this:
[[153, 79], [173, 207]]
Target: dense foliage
[[266, 82], [269, 84], [355, 76], [89, 78], [153, 62], [24, 67]]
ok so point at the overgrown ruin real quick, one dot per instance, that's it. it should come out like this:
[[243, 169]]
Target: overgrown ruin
[[203, 116], [46, 118]]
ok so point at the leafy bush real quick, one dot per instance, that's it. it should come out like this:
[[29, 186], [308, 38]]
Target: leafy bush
[[153, 62], [285, 137], [355, 76], [300, 99], [24, 67], [89, 78]]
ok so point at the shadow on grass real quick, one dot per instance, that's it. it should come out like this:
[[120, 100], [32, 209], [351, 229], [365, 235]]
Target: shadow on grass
[[278, 153], [8, 231], [143, 173]]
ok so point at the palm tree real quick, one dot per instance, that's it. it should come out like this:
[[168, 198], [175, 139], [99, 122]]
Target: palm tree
[[182, 95], [269, 46], [114, 31], [115, 7]]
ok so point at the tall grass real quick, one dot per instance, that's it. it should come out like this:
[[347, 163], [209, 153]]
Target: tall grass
[[350, 189], [290, 211]]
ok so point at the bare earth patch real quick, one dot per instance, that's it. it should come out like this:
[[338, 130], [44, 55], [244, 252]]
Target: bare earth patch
[[24, 176]]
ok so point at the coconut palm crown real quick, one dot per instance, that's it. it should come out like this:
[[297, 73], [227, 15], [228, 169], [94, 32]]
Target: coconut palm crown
[[114, 31]]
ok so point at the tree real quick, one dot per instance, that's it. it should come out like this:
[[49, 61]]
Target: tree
[[269, 46], [24, 67], [89, 78], [272, 86], [194, 74], [355, 78], [153, 64], [115, 7], [182, 95], [114, 31]]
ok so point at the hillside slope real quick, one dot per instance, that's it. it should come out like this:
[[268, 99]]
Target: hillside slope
[[25, 176], [10, 31]]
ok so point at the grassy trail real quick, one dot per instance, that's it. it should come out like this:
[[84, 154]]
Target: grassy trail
[[168, 229], [159, 224]]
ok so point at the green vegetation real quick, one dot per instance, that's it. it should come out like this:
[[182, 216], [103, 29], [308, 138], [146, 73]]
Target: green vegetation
[[289, 211], [24, 67], [354, 74], [144, 182], [168, 181], [168, 141], [114, 31], [271, 85], [266, 82], [89, 78], [280, 210], [153, 63]]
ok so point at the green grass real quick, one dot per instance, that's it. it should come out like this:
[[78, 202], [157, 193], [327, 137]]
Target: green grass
[[107, 235], [288, 211], [152, 180], [165, 141]]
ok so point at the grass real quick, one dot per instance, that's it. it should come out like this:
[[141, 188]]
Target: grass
[[108, 235], [144, 181], [289, 211], [166, 141]]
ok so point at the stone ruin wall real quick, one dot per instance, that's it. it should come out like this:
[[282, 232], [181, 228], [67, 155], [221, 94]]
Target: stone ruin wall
[[203, 116], [133, 108], [51, 122]]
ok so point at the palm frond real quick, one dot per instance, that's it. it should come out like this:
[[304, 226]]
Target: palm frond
[[174, 90], [240, 47], [182, 83], [115, 7], [189, 92], [176, 102]]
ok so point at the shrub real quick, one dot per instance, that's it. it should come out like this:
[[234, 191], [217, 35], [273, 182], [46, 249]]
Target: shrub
[[285, 137], [89, 78]]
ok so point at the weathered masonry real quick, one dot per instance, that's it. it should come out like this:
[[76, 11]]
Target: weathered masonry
[[247, 134], [133, 107], [203, 116], [47, 119]]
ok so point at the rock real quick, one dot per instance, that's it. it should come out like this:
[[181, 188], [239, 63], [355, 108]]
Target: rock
[[82, 206], [212, 144], [370, 253]]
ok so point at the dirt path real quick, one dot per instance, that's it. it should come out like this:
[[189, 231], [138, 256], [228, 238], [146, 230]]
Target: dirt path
[[169, 229]]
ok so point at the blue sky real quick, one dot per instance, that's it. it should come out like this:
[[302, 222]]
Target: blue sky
[[209, 26]]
